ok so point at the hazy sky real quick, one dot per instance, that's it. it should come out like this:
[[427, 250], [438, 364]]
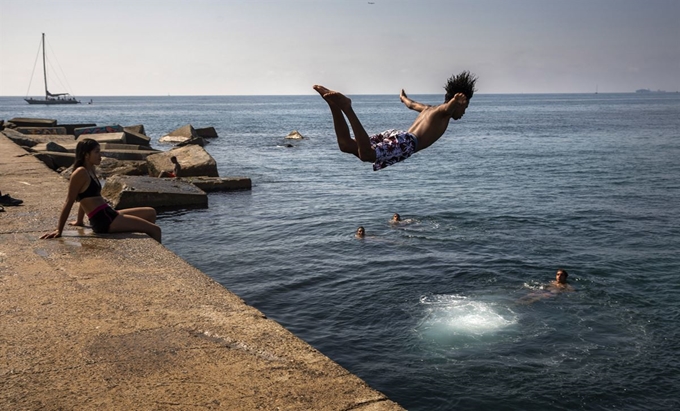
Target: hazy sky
[[241, 47]]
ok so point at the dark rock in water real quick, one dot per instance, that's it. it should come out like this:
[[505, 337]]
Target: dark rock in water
[[145, 191], [199, 141], [206, 132], [211, 184], [194, 160]]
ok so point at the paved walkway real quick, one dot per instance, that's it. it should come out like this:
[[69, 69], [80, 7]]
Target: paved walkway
[[121, 323]]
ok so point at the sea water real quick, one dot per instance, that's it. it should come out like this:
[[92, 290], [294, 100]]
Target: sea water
[[448, 309]]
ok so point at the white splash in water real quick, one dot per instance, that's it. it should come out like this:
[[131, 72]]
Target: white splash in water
[[453, 319]]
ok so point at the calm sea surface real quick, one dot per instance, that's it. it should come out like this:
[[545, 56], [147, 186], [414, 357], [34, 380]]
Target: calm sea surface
[[437, 312]]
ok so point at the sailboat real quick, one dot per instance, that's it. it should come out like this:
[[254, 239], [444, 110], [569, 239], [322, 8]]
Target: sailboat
[[51, 98]]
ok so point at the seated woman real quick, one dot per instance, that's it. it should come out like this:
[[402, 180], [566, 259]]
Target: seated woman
[[84, 187]]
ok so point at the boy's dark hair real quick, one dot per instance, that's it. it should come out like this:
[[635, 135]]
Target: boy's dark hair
[[462, 83]]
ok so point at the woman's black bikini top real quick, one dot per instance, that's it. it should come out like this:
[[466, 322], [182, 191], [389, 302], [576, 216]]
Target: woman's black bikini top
[[93, 190]]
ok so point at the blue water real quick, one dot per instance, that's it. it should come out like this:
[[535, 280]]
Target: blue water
[[437, 312]]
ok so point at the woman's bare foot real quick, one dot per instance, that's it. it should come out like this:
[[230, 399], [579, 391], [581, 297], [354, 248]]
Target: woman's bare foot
[[334, 97]]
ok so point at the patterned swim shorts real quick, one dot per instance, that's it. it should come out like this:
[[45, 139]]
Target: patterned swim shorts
[[392, 146]]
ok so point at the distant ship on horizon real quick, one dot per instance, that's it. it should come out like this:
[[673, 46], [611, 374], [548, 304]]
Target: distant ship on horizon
[[646, 90]]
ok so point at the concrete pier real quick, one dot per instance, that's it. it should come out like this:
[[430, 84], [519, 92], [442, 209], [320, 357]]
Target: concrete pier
[[118, 322]]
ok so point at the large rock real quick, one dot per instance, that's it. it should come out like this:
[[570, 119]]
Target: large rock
[[145, 191], [181, 134], [207, 132], [20, 139], [33, 140], [199, 141], [194, 160], [135, 137], [294, 135], [118, 138], [211, 184], [55, 159], [112, 167], [33, 122], [52, 146], [45, 131], [98, 130], [70, 128], [139, 128]]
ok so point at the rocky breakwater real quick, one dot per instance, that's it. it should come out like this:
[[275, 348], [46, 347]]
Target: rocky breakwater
[[130, 165]]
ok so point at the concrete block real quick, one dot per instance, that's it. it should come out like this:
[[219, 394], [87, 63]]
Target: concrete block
[[212, 184], [160, 193], [207, 132], [98, 130], [43, 131], [33, 122], [118, 138], [193, 159]]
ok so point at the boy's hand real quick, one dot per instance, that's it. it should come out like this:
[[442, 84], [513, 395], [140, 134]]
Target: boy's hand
[[460, 99]]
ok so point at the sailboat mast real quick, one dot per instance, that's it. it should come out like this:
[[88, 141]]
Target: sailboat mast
[[44, 66]]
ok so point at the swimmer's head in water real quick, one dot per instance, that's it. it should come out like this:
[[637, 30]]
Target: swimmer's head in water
[[561, 276], [360, 232], [396, 217]]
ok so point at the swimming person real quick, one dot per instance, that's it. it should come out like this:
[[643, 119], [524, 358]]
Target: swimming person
[[560, 283], [550, 290], [396, 218], [360, 233], [392, 146], [84, 187]]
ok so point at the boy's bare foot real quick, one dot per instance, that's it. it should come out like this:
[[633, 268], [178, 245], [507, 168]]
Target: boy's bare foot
[[403, 97], [334, 97]]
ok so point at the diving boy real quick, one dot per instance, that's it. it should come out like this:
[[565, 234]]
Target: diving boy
[[392, 146]]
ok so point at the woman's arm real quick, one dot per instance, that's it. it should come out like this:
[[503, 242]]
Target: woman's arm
[[79, 220], [78, 179]]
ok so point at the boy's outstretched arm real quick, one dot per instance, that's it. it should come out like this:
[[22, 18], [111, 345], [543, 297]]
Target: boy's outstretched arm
[[413, 105], [457, 102]]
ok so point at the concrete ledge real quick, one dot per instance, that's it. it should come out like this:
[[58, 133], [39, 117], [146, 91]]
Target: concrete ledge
[[118, 322], [145, 191], [212, 184]]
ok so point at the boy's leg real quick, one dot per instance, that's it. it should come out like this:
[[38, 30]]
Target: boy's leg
[[339, 104], [345, 141]]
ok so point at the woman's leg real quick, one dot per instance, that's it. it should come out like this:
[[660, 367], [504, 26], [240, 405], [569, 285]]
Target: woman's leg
[[147, 213], [129, 223]]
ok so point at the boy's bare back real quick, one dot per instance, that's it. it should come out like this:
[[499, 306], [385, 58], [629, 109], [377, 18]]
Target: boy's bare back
[[433, 121]]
